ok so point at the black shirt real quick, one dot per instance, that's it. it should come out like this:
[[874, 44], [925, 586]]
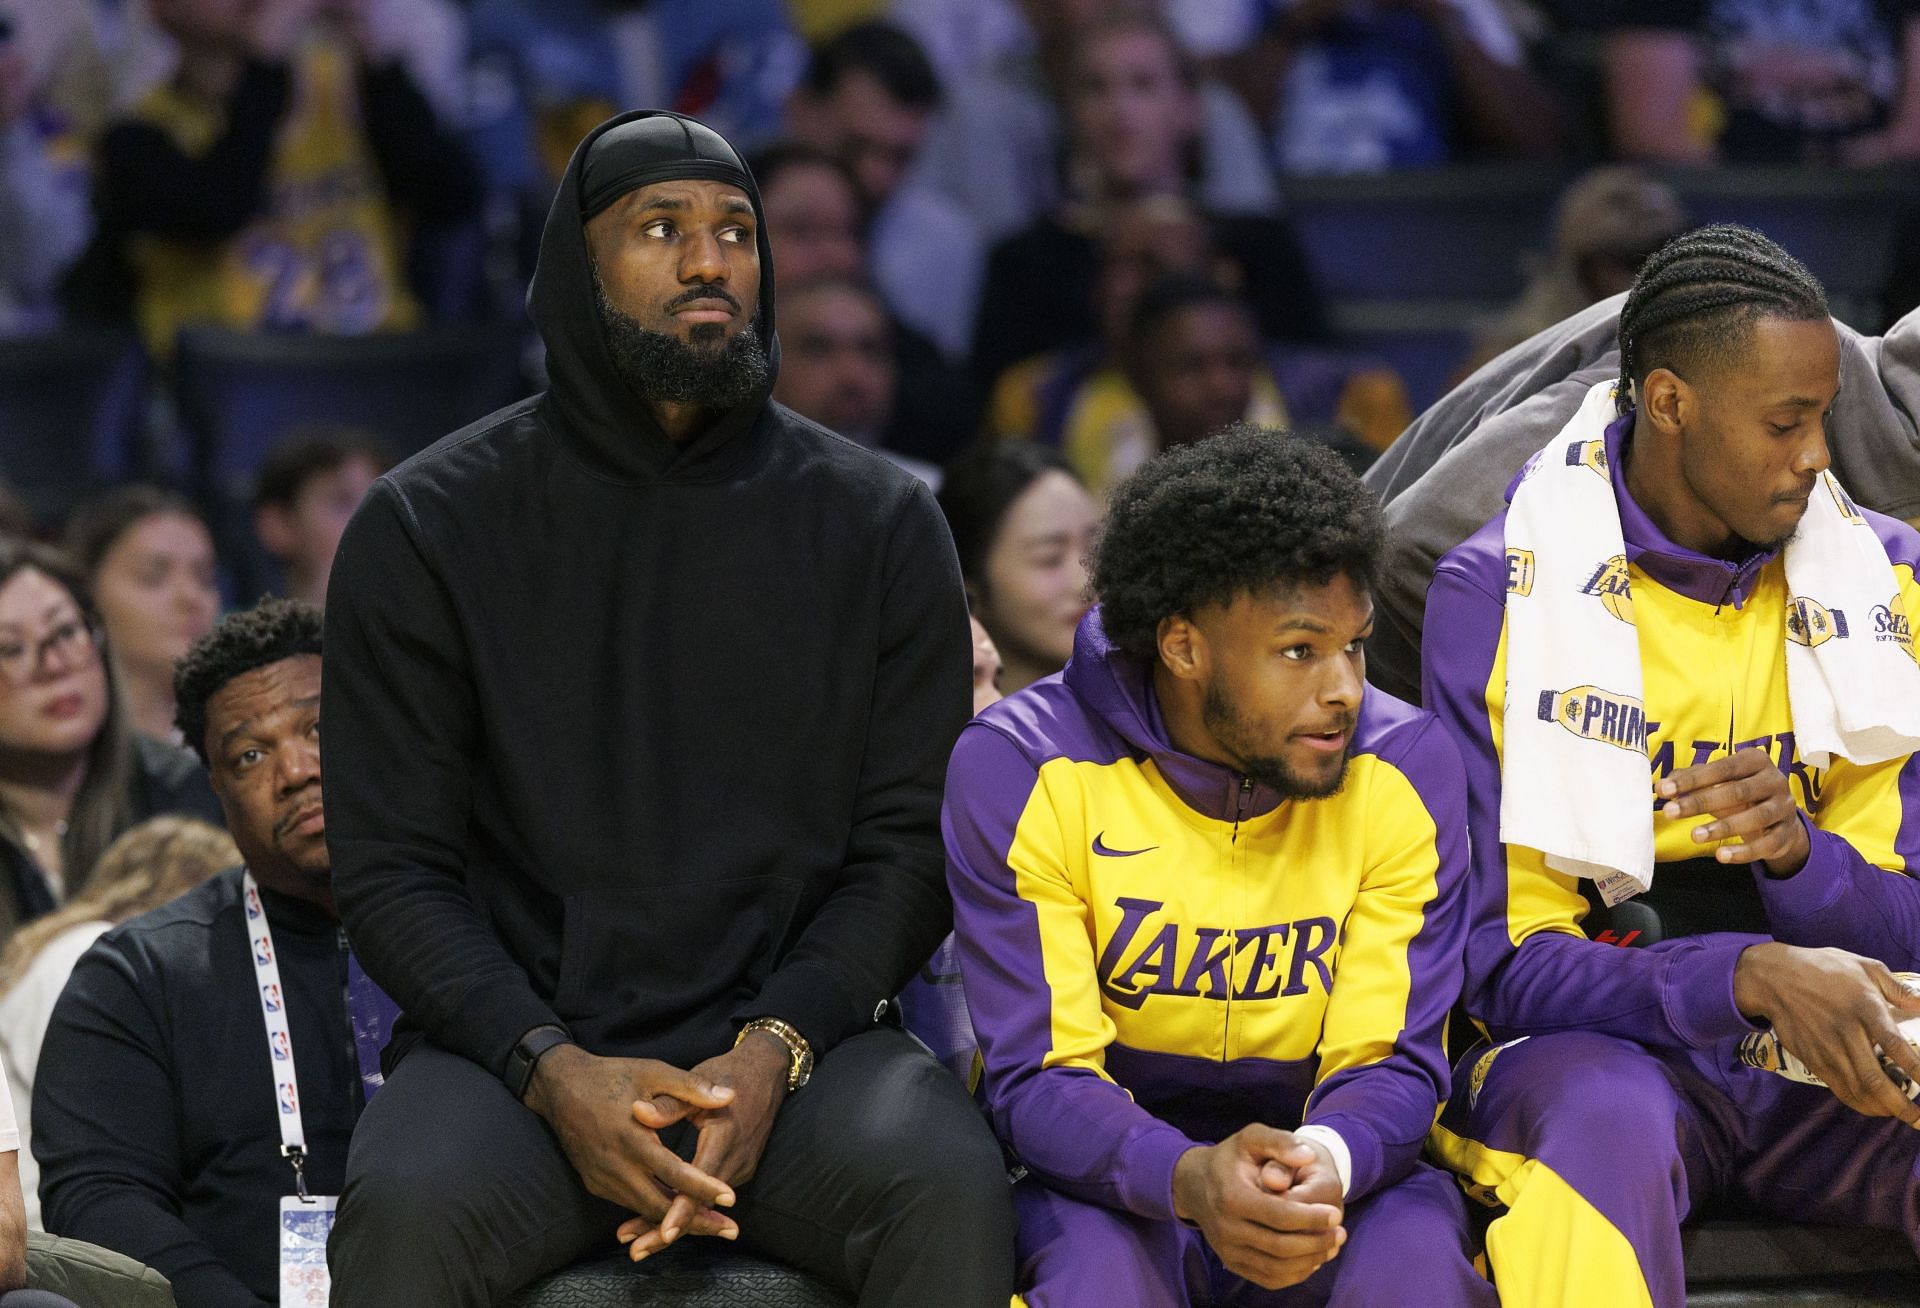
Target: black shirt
[[642, 737], [155, 1117]]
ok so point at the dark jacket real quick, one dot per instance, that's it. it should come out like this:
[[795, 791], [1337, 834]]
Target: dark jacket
[[165, 780], [640, 738], [155, 1117]]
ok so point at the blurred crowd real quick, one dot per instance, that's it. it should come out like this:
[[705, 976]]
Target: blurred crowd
[[1021, 245], [1059, 220]]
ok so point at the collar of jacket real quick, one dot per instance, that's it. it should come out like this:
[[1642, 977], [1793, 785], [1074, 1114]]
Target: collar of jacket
[[1117, 687]]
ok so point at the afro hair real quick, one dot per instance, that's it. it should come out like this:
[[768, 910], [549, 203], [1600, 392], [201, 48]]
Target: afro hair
[[272, 630], [1252, 510]]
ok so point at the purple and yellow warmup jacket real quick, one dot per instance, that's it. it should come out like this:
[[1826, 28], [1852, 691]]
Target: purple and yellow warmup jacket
[[1157, 952], [1713, 660]]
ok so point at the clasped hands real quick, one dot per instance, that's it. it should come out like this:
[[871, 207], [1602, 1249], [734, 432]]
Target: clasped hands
[[608, 1114], [1268, 1202]]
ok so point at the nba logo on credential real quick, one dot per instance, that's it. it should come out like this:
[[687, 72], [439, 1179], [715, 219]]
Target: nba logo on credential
[[270, 996]]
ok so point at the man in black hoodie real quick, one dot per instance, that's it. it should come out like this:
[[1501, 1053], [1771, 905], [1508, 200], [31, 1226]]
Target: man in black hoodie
[[639, 697]]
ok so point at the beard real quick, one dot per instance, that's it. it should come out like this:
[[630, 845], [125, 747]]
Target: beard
[[1234, 734], [711, 371]]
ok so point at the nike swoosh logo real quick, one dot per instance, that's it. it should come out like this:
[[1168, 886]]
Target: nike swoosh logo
[[1100, 847]]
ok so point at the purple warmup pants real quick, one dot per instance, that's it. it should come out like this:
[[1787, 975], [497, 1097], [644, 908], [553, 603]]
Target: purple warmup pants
[[1406, 1244], [1599, 1148]]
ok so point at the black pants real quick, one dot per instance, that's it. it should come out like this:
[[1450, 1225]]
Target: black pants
[[880, 1177]]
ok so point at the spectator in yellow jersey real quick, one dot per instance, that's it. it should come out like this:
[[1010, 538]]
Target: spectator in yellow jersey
[[1185, 358], [274, 181]]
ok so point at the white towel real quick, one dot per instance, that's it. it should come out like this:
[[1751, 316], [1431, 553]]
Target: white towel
[[1574, 779]]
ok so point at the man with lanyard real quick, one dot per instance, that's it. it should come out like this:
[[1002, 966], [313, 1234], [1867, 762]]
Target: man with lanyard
[[199, 1080], [1679, 582]]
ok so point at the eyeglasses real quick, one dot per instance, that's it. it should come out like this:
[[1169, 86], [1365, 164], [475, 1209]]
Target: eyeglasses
[[74, 642]]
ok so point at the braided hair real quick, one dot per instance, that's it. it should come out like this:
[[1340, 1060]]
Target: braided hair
[[1697, 294]]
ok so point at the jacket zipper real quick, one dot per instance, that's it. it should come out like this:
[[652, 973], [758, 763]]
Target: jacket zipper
[[1233, 845]]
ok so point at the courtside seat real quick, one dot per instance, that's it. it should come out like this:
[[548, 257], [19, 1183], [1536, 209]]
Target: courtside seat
[[693, 1274], [240, 392], [72, 409], [1412, 262], [1457, 233], [1835, 1292], [1730, 1264], [1841, 223], [1733, 1264]]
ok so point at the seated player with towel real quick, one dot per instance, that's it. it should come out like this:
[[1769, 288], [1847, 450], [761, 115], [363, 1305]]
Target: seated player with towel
[[1680, 582], [1207, 907]]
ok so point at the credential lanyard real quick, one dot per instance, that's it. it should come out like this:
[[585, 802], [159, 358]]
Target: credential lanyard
[[273, 1007]]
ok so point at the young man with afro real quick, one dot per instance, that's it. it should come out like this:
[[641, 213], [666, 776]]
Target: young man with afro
[[1207, 903]]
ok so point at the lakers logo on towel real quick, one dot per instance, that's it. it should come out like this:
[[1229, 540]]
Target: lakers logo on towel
[[1608, 584], [1519, 572], [1811, 623], [1844, 502], [1595, 714], [1890, 623], [1589, 454]]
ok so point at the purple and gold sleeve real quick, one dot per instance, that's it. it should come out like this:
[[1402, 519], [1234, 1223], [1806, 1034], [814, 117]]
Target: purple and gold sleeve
[[1383, 1058], [1021, 931], [1857, 891]]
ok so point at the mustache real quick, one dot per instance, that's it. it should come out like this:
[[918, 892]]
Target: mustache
[[309, 800], [694, 294]]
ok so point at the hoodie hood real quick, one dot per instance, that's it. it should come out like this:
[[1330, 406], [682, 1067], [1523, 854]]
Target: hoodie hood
[[601, 418], [1117, 688]]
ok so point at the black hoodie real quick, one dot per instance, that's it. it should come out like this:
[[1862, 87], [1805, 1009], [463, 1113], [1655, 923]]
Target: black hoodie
[[645, 738]]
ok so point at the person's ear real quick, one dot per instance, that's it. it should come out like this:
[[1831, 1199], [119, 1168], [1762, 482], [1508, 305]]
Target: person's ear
[[273, 528], [1183, 648], [1667, 401]]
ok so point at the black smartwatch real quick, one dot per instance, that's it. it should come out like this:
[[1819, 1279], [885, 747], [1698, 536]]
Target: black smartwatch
[[523, 1057]]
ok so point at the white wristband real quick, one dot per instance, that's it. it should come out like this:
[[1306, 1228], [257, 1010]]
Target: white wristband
[[1342, 1157]]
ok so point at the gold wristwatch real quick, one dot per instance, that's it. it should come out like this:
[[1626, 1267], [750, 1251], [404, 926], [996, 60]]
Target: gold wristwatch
[[799, 1052]]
